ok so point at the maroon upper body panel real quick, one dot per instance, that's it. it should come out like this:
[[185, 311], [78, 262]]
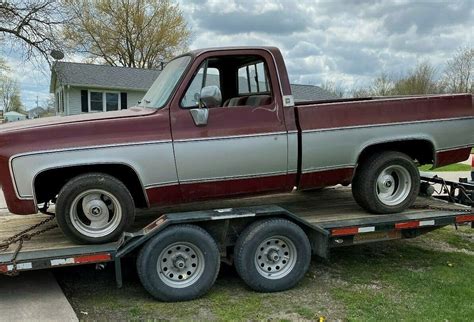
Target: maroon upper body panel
[[384, 111]]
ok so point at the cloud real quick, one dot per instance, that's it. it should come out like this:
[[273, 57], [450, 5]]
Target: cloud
[[345, 42]]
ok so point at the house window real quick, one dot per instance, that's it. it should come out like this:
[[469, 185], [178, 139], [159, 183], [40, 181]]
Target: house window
[[96, 103], [104, 101]]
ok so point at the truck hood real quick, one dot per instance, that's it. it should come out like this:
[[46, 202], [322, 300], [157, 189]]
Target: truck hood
[[56, 120]]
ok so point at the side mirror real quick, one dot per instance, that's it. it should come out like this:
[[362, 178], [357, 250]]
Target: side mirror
[[211, 96], [200, 116]]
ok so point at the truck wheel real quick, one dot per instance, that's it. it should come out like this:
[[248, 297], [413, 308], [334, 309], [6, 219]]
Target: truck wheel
[[387, 182], [181, 263], [94, 208], [272, 255]]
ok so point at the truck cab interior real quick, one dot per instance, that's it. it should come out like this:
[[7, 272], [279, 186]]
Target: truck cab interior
[[229, 81]]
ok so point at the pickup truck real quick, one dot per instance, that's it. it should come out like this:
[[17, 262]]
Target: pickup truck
[[220, 123]]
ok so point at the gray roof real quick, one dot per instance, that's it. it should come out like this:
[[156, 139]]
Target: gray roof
[[126, 78], [310, 93], [103, 76]]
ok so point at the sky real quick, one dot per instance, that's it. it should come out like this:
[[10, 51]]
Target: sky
[[347, 43]]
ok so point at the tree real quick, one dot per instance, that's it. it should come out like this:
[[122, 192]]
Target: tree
[[459, 73], [10, 94], [34, 26], [333, 88], [420, 80], [133, 33]]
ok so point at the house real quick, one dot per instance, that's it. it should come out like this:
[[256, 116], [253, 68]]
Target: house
[[1, 117], [36, 112], [14, 116], [84, 88]]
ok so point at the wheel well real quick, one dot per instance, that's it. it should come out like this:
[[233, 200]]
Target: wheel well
[[48, 183], [420, 150]]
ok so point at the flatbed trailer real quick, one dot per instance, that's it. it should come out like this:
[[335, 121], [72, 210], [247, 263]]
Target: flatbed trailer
[[326, 219]]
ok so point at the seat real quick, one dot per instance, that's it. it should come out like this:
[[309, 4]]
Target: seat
[[235, 101], [258, 100]]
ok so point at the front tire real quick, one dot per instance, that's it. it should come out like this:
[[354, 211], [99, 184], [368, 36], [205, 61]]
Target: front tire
[[272, 255], [387, 182], [94, 208], [181, 263]]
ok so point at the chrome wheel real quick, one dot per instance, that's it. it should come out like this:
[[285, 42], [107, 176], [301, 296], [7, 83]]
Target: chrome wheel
[[393, 185], [180, 265], [96, 213], [275, 257]]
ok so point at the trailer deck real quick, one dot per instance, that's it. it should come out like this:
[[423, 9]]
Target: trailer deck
[[332, 209]]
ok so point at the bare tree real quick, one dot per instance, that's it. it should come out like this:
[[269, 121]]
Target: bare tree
[[33, 26], [459, 73], [133, 33], [10, 94], [333, 88], [420, 80]]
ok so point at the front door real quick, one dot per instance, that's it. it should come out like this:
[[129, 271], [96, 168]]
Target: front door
[[241, 147]]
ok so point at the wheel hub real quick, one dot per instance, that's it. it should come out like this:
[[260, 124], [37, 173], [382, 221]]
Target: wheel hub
[[180, 264], [96, 213], [275, 257], [393, 185]]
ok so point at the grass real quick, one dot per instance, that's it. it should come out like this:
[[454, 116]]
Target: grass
[[408, 282], [427, 278], [451, 167]]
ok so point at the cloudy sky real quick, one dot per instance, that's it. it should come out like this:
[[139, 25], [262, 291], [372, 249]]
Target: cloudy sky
[[345, 42]]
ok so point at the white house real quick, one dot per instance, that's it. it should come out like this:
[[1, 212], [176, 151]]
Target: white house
[[85, 88], [14, 116]]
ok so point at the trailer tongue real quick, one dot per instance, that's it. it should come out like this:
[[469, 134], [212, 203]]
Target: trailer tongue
[[269, 239]]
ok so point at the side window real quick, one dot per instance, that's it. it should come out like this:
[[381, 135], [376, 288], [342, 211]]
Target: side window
[[253, 79], [206, 76]]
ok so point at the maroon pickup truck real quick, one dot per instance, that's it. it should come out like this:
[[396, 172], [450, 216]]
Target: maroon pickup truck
[[222, 123]]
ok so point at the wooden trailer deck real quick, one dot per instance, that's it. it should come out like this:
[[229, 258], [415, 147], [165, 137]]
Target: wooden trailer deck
[[323, 208]]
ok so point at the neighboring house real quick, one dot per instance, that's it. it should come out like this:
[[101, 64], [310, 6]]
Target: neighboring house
[[14, 116], [84, 88], [1, 117], [36, 112]]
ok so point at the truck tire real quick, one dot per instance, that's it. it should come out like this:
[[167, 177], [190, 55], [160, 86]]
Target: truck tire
[[181, 263], [272, 255], [94, 208], [387, 182]]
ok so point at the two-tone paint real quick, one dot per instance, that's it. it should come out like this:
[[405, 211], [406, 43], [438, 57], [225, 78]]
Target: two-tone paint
[[242, 150]]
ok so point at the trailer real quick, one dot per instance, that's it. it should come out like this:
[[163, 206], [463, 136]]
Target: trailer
[[269, 239]]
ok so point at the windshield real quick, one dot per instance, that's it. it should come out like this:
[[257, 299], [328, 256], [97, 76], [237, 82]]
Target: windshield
[[160, 91]]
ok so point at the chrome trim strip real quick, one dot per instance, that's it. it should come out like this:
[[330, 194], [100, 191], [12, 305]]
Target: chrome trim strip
[[258, 175], [387, 124], [464, 146], [320, 169], [231, 137], [89, 148], [163, 184]]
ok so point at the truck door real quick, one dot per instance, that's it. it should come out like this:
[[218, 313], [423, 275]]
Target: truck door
[[228, 128]]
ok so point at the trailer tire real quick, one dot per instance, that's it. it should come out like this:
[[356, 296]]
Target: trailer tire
[[94, 193], [190, 257], [273, 245], [386, 182]]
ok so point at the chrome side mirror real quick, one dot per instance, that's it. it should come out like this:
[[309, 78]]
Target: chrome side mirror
[[200, 116]]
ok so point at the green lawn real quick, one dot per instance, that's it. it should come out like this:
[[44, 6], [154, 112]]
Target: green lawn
[[423, 279], [451, 167]]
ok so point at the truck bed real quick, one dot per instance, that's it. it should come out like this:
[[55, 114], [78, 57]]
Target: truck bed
[[328, 208]]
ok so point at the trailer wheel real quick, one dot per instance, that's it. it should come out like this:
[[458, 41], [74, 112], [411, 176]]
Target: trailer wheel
[[387, 182], [272, 255], [94, 208], [181, 263]]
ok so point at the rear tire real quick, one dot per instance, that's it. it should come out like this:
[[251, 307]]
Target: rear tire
[[272, 255], [180, 263], [386, 182]]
